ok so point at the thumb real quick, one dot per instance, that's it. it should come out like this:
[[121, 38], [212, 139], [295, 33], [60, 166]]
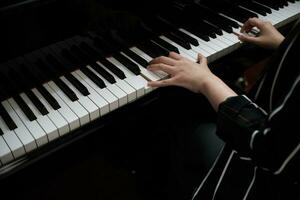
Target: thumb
[[201, 58], [247, 38]]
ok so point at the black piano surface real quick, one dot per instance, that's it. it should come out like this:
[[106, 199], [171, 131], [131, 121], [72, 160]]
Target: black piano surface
[[45, 40]]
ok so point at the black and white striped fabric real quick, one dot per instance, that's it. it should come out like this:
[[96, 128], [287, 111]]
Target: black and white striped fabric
[[262, 155]]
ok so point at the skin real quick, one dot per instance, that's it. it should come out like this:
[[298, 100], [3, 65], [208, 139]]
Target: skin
[[269, 36], [198, 78]]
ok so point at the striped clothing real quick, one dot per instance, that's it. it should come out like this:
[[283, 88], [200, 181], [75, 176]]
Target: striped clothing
[[261, 158]]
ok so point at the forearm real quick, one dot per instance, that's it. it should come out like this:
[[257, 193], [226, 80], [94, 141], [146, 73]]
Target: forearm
[[216, 91]]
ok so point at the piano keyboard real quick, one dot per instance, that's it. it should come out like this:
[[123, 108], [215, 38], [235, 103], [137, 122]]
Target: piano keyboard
[[97, 85]]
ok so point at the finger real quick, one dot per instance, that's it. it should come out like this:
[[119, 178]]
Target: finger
[[175, 56], [164, 60], [163, 67], [250, 23], [249, 39], [201, 58], [161, 83]]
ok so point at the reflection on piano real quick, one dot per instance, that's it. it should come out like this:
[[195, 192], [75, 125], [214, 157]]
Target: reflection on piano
[[51, 89]]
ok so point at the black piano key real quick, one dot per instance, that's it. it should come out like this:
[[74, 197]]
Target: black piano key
[[20, 80], [198, 32], [214, 28], [98, 57], [179, 41], [256, 7], [211, 15], [103, 73], [65, 88], [165, 44], [25, 108], [76, 83], [97, 80], [49, 98], [205, 27], [83, 55], [151, 52], [134, 68], [30, 75], [111, 67], [136, 58], [272, 4], [156, 48], [246, 13], [37, 103], [187, 38], [48, 71], [7, 119]]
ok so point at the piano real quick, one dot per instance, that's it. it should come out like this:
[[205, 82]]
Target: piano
[[81, 66]]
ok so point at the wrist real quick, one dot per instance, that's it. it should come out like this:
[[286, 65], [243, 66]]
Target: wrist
[[207, 83], [216, 91]]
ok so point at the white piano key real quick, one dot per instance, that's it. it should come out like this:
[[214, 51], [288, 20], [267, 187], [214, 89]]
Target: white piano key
[[207, 46], [21, 131], [65, 111], [273, 20], [137, 88], [34, 128], [149, 75], [291, 9], [148, 58], [136, 81], [181, 50], [141, 53], [284, 15], [219, 43], [44, 122], [113, 88], [110, 98], [85, 101], [103, 106], [231, 37], [5, 153], [122, 84], [239, 23], [81, 113], [12, 140], [140, 83], [57, 119], [227, 41], [184, 52], [198, 49]]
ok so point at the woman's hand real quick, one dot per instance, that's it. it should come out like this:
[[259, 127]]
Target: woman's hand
[[183, 72], [269, 37], [196, 77]]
